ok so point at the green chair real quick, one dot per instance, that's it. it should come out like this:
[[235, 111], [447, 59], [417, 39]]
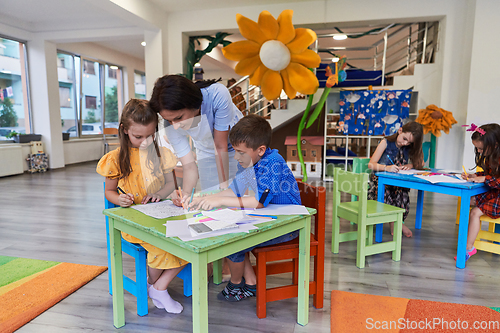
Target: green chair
[[360, 165], [365, 213]]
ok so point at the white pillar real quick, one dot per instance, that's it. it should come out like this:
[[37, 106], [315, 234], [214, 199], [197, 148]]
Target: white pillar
[[153, 56], [44, 91]]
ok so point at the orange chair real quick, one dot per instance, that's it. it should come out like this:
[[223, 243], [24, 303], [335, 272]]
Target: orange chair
[[313, 197], [109, 132]]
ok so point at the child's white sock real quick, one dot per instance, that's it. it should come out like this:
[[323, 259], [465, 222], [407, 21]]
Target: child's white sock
[[164, 301]]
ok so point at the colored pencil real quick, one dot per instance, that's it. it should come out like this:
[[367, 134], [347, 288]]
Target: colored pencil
[[466, 175], [191, 200], [180, 194]]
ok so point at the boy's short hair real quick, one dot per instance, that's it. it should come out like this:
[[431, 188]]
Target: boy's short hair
[[252, 130]]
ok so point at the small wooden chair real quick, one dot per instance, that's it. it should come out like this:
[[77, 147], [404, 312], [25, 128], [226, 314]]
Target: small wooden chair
[[489, 241], [366, 213], [266, 257], [138, 288], [106, 134], [360, 165]]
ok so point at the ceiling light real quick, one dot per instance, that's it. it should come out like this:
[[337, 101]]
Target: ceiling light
[[339, 36], [143, 43], [336, 59], [197, 64], [113, 67]]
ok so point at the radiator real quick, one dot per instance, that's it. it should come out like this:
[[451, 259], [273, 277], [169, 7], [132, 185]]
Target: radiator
[[11, 160]]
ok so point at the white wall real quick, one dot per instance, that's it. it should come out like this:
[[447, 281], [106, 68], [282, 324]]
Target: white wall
[[484, 84]]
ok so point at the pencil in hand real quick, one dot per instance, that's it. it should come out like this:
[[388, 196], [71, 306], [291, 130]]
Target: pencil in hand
[[465, 172], [182, 199]]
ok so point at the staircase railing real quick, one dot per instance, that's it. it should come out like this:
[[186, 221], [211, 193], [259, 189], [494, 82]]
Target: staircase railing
[[391, 52], [252, 95]]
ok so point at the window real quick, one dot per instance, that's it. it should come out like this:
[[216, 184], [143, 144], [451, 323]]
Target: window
[[113, 96], [60, 63], [313, 167], [304, 153], [90, 102], [294, 167], [89, 67], [112, 72], [14, 109], [68, 74], [140, 85], [64, 97], [294, 152], [313, 153], [101, 86]]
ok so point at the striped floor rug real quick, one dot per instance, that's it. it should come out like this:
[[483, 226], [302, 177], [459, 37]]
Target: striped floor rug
[[351, 312], [28, 287]]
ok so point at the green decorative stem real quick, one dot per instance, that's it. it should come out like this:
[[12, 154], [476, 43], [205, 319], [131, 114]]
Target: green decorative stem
[[432, 153], [299, 135], [319, 107]]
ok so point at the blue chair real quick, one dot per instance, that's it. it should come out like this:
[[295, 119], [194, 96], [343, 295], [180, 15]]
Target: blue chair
[[138, 288]]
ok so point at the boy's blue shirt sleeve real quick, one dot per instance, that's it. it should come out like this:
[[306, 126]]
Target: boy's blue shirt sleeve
[[239, 185]]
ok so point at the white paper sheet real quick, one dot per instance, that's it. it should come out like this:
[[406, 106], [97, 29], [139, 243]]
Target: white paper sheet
[[179, 228], [409, 172], [441, 179], [227, 215], [274, 209], [160, 210]]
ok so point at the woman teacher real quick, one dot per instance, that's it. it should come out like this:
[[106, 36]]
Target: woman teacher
[[205, 112]]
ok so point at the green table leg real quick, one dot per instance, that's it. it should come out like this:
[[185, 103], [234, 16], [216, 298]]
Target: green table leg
[[432, 153], [217, 273], [115, 248], [200, 294], [304, 258]]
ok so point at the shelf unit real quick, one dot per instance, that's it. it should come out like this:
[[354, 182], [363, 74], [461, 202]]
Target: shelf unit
[[364, 145]]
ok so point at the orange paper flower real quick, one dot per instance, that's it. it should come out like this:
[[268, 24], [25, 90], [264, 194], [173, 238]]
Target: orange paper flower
[[275, 55], [435, 120]]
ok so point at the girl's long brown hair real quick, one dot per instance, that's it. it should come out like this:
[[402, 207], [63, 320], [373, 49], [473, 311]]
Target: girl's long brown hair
[[137, 111], [417, 131], [488, 160]]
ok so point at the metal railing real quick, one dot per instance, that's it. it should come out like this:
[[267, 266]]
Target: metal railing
[[393, 53]]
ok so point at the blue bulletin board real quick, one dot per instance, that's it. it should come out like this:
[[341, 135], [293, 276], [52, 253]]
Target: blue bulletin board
[[373, 112]]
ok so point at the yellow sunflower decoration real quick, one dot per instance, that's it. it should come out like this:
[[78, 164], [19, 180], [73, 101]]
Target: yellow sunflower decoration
[[435, 120], [275, 55]]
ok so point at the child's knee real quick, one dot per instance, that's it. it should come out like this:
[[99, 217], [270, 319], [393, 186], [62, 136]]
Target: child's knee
[[476, 213]]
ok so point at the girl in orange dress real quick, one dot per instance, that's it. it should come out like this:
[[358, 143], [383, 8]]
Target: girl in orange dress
[[143, 171]]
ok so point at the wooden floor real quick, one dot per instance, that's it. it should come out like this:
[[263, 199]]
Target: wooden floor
[[57, 216]]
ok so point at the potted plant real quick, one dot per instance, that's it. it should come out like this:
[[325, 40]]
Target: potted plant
[[24, 138]]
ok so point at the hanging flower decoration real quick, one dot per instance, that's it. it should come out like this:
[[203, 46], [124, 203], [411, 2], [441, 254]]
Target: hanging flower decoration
[[275, 55], [336, 72], [435, 120]]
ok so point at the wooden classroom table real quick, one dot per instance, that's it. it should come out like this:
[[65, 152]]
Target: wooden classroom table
[[201, 252], [463, 190]]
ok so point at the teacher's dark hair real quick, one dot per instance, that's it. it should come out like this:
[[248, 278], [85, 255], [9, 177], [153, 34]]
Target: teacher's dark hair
[[175, 92]]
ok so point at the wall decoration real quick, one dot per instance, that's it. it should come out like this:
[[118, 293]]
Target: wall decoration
[[373, 112]]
